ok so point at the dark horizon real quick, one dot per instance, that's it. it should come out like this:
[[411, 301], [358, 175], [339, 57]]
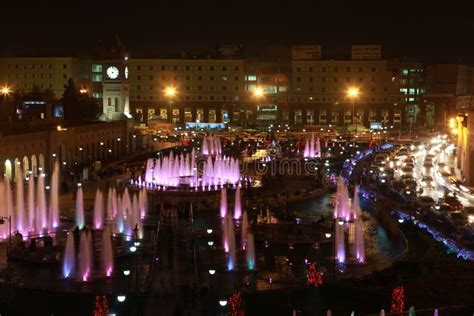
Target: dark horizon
[[406, 31]]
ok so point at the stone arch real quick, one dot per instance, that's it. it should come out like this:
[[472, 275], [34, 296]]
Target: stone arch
[[8, 169], [34, 165], [26, 165], [41, 163]]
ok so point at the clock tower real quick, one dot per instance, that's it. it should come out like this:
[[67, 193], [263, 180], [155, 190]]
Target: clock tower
[[115, 90]]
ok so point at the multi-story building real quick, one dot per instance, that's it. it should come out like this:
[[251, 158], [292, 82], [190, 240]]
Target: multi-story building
[[447, 88], [319, 92], [411, 79], [295, 91]]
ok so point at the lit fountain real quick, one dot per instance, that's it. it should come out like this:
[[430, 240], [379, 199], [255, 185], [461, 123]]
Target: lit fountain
[[31, 203], [85, 256], [54, 196], [107, 252], [237, 204], [9, 204], [171, 171], [80, 221], [341, 213], [110, 205], [20, 200], [312, 148], [69, 256], [230, 229], [98, 210], [135, 217], [120, 223], [41, 210], [143, 202], [358, 227], [244, 229], [250, 252], [223, 207], [225, 234], [211, 145]]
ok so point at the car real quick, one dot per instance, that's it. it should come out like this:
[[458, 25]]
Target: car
[[410, 184], [427, 181], [440, 208], [407, 171], [453, 202], [457, 218], [425, 202]]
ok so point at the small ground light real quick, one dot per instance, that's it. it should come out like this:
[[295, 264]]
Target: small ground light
[[121, 298], [212, 271], [133, 249], [126, 272], [136, 243], [209, 231], [210, 243], [328, 235]]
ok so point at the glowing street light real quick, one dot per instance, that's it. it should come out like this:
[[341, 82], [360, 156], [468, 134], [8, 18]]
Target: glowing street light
[[170, 92], [5, 90], [353, 93], [258, 92]]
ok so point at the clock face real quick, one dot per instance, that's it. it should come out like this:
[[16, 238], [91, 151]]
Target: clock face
[[112, 72], [126, 72]]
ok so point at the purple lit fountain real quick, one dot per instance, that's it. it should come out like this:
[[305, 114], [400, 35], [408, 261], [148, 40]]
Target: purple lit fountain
[[107, 252], [69, 260]]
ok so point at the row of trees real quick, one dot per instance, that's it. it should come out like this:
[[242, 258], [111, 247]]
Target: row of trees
[[77, 106]]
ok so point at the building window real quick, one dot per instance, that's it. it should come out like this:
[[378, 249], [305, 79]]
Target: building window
[[236, 78], [150, 77], [139, 77], [96, 68], [224, 68], [64, 66], [186, 88], [188, 78], [298, 79], [298, 69], [95, 77], [251, 78], [163, 67], [236, 68], [175, 67], [211, 78], [97, 95], [64, 76], [211, 68], [139, 67], [310, 69], [200, 78], [199, 68]]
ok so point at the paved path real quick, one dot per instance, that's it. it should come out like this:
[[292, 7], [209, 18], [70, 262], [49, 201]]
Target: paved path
[[174, 277]]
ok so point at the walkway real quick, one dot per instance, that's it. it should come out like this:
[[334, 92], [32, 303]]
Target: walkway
[[172, 286]]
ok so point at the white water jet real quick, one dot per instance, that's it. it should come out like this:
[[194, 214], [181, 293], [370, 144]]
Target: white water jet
[[359, 228], [231, 241], [223, 206], [41, 209], [107, 252], [69, 260], [20, 200], [85, 256], [31, 203], [98, 210], [250, 252], [244, 229], [143, 202], [3, 209], [80, 221], [110, 205], [340, 245], [237, 204], [54, 196]]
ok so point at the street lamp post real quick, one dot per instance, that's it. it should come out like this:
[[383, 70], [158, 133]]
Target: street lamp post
[[258, 93], [170, 92], [353, 92]]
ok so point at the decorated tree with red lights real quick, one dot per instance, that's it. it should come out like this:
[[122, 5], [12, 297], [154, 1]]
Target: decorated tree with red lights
[[235, 304], [315, 277], [398, 299], [101, 306]]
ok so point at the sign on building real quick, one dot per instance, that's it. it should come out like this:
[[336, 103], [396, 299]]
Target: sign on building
[[306, 52], [366, 52]]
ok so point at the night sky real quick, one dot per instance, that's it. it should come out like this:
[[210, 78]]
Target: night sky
[[405, 29]]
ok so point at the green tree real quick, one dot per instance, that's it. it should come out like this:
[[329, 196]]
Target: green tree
[[77, 106]]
